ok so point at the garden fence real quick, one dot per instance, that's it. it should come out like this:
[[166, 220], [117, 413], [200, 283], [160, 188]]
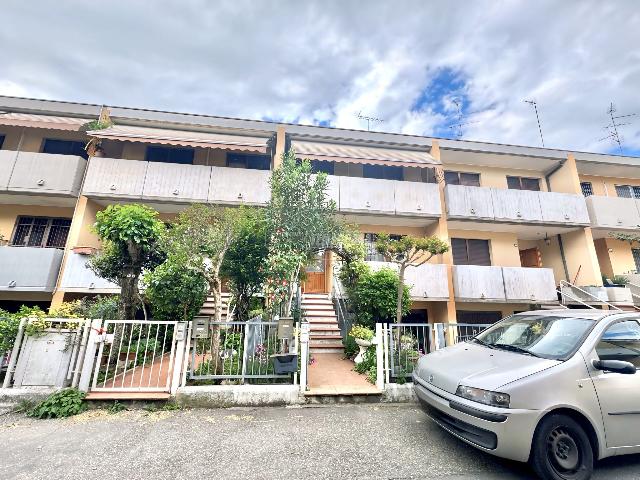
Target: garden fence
[[236, 350], [447, 334]]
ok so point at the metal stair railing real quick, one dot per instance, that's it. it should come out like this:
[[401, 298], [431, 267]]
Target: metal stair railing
[[564, 283], [635, 297], [344, 321]]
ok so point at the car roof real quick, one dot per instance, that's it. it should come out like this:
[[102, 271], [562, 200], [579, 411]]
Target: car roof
[[590, 313]]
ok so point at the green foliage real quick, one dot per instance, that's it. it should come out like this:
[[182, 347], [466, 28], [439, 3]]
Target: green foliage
[[401, 378], [368, 366], [35, 327], [243, 263], [361, 332], [9, 324], [174, 291], [631, 238], [105, 308], [351, 348], [63, 403], [374, 297], [116, 407], [351, 252], [620, 280], [66, 310], [95, 125], [24, 406], [129, 235], [300, 222]]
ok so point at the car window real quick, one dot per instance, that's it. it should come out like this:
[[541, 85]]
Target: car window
[[621, 341], [547, 336]]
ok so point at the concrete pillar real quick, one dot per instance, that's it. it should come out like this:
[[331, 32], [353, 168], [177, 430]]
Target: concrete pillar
[[280, 144], [447, 313]]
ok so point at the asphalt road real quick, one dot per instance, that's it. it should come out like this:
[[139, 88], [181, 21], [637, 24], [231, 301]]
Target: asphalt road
[[336, 442]]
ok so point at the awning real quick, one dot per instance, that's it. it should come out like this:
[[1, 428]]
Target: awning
[[182, 138], [15, 119], [363, 154]]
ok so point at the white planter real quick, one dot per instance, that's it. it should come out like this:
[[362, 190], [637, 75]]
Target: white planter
[[363, 344]]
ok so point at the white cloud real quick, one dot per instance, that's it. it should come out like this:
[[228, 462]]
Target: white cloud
[[328, 60]]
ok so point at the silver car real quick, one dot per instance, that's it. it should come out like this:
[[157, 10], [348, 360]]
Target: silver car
[[556, 388]]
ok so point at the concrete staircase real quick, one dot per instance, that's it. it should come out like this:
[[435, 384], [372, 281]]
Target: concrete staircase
[[324, 333], [207, 309]]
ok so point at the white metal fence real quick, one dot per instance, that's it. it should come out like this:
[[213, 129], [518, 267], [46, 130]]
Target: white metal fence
[[447, 334], [237, 350]]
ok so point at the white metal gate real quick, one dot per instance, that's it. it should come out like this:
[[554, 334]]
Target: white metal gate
[[136, 356]]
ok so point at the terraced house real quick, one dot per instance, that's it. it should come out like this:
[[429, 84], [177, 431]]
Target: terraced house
[[523, 223]]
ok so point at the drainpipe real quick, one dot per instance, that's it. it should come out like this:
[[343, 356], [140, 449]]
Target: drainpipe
[[560, 244]]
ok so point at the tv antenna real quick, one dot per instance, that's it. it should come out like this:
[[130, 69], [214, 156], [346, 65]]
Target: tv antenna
[[534, 104], [368, 119], [457, 127], [613, 127]]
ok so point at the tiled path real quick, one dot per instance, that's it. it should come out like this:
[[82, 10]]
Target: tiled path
[[331, 374]]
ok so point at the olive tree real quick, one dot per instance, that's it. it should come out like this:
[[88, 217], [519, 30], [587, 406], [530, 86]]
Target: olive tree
[[129, 235], [406, 252]]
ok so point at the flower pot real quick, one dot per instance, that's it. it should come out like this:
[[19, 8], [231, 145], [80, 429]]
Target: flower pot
[[84, 250], [363, 344]]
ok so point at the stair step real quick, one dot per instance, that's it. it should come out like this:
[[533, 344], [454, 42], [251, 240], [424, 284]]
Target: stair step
[[306, 296], [317, 339], [317, 306], [313, 330], [320, 313], [326, 350]]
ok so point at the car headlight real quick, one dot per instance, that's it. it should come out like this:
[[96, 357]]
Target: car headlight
[[495, 399]]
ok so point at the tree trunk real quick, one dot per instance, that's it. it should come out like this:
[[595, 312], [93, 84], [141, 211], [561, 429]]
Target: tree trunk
[[128, 296], [400, 293], [216, 291]]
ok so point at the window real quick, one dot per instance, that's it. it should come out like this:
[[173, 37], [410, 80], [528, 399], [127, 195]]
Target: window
[[628, 191], [41, 232], [321, 166], [1, 140], [384, 172], [370, 242], [587, 188], [636, 257], [473, 317], [64, 147], [621, 341], [252, 162], [523, 183], [470, 252], [462, 178], [170, 155]]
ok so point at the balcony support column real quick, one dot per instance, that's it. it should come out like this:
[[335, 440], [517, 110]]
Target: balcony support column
[[447, 314]]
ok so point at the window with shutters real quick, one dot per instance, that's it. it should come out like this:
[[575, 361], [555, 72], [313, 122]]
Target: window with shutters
[[41, 232], [461, 178], [383, 172], [523, 183], [469, 251], [169, 155], [628, 191], [587, 188], [64, 147], [248, 161], [370, 242]]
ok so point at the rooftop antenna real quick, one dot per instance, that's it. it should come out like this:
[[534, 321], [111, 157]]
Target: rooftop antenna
[[534, 104], [613, 127], [368, 119], [457, 127]]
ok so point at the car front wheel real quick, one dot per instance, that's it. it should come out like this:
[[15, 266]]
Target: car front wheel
[[561, 450]]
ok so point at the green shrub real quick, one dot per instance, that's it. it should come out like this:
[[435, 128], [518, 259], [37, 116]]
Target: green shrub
[[368, 361], [351, 348], [9, 325], [63, 403], [374, 298], [361, 332], [620, 280]]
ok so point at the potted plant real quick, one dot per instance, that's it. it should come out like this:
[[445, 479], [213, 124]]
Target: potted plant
[[363, 336]]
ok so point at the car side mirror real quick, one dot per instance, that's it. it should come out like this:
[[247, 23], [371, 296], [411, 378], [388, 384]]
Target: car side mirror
[[617, 366]]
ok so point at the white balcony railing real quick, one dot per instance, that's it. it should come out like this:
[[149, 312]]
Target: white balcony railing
[[515, 206], [76, 277], [29, 269], [614, 212], [426, 282], [41, 173]]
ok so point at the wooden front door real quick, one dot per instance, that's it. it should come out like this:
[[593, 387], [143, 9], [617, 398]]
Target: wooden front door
[[531, 257], [315, 279]]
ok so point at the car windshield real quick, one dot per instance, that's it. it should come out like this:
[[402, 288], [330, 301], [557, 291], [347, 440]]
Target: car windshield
[[552, 337]]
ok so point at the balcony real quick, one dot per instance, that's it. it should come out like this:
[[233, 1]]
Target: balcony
[[78, 278], [473, 283], [515, 206], [41, 173], [598, 295], [614, 212], [114, 178], [357, 195], [426, 282], [29, 269]]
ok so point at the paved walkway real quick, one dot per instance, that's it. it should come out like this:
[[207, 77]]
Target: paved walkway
[[331, 374], [329, 442]]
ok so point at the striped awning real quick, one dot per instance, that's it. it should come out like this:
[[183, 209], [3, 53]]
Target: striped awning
[[182, 138], [363, 154], [16, 119]]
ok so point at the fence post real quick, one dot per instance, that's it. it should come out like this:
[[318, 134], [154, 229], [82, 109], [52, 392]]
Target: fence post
[[304, 355], [439, 336], [14, 354], [245, 347], [181, 345], [90, 355], [379, 358], [185, 364], [385, 343]]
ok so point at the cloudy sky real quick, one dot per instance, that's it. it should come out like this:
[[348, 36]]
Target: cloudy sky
[[414, 64]]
